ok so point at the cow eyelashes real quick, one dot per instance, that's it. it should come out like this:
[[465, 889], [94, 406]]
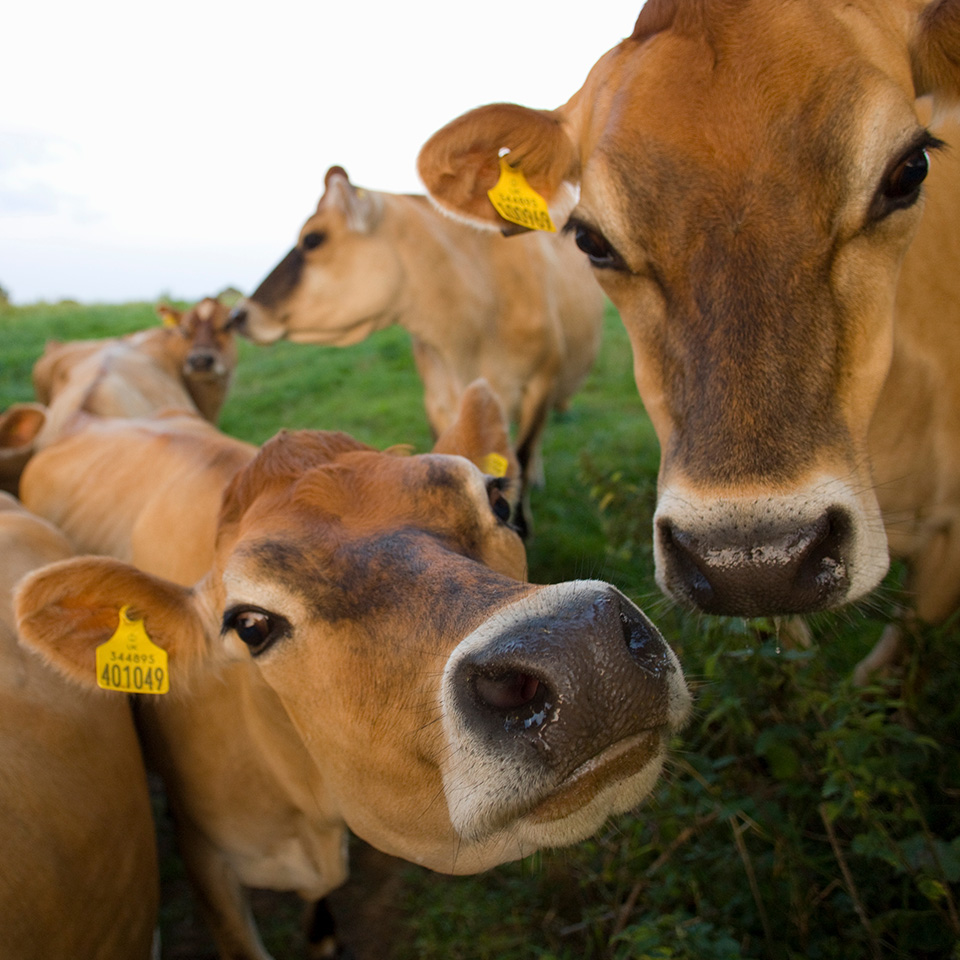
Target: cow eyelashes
[[599, 252], [257, 628], [901, 184]]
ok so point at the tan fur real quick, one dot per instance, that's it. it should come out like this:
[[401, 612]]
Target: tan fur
[[766, 131], [523, 314], [267, 760], [78, 877]]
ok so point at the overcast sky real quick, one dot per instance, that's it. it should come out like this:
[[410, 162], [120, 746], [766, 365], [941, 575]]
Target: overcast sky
[[177, 147]]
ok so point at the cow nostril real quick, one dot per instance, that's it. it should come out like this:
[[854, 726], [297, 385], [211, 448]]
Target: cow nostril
[[507, 691], [822, 562], [644, 643]]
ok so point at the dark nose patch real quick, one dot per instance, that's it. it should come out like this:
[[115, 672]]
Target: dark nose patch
[[281, 281], [759, 570]]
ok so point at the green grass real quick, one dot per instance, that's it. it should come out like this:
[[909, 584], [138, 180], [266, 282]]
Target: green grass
[[799, 817]]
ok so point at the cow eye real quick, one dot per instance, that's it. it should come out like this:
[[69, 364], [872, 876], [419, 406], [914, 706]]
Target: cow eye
[[498, 502], [257, 628], [596, 247], [313, 240], [901, 184], [904, 180]]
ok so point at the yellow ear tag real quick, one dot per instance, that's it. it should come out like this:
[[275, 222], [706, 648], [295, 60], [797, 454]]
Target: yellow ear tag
[[169, 320], [130, 661], [494, 465], [515, 200]]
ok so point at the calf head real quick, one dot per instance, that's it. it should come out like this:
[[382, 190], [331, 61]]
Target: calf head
[[211, 347], [750, 177], [209, 351], [338, 283], [457, 715]]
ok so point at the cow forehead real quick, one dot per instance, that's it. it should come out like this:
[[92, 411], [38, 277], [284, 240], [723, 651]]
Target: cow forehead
[[784, 102], [363, 493], [369, 537]]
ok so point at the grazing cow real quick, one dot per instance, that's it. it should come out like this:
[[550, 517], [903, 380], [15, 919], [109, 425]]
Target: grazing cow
[[78, 874], [751, 177], [362, 652], [186, 364], [525, 315]]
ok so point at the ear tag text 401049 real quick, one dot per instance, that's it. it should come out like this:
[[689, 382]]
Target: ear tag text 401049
[[130, 661]]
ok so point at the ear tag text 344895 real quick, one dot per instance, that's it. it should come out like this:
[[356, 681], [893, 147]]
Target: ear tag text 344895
[[517, 202], [130, 661]]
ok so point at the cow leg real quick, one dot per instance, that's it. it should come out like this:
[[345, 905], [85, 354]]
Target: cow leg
[[322, 942], [935, 575], [223, 901], [533, 420], [885, 655]]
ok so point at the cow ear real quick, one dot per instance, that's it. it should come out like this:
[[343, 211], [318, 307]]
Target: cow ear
[[361, 208], [461, 162], [19, 426], [169, 316], [480, 433], [935, 52], [67, 609]]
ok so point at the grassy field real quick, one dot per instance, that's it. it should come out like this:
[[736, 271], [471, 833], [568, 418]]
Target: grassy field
[[799, 818]]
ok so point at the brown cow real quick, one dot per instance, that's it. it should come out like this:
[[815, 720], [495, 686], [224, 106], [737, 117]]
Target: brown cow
[[524, 315], [78, 871], [750, 180], [362, 652], [186, 364]]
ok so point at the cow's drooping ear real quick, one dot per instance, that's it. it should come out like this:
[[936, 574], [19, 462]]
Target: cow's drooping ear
[[361, 208], [67, 609], [935, 52], [480, 432], [19, 426], [461, 161]]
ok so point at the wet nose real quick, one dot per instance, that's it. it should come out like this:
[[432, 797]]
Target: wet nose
[[567, 683], [200, 362], [765, 569]]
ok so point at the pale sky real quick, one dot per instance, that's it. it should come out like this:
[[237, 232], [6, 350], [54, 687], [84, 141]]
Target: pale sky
[[175, 148]]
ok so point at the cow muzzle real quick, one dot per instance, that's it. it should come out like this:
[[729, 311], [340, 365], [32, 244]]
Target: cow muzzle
[[557, 711], [768, 556]]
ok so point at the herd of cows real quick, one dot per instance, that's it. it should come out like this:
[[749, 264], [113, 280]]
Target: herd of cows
[[347, 636]]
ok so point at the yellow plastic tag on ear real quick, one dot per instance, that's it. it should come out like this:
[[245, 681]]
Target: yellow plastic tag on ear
[[494, 465], [130, 661], [170, 320], [515, 200]]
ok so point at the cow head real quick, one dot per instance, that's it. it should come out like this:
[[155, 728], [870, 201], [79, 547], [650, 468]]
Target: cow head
[[336, 285], [456, 715], [750, 177], [210, 351]]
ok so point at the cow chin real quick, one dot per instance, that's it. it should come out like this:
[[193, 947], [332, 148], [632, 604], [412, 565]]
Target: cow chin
[[610, 784]]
